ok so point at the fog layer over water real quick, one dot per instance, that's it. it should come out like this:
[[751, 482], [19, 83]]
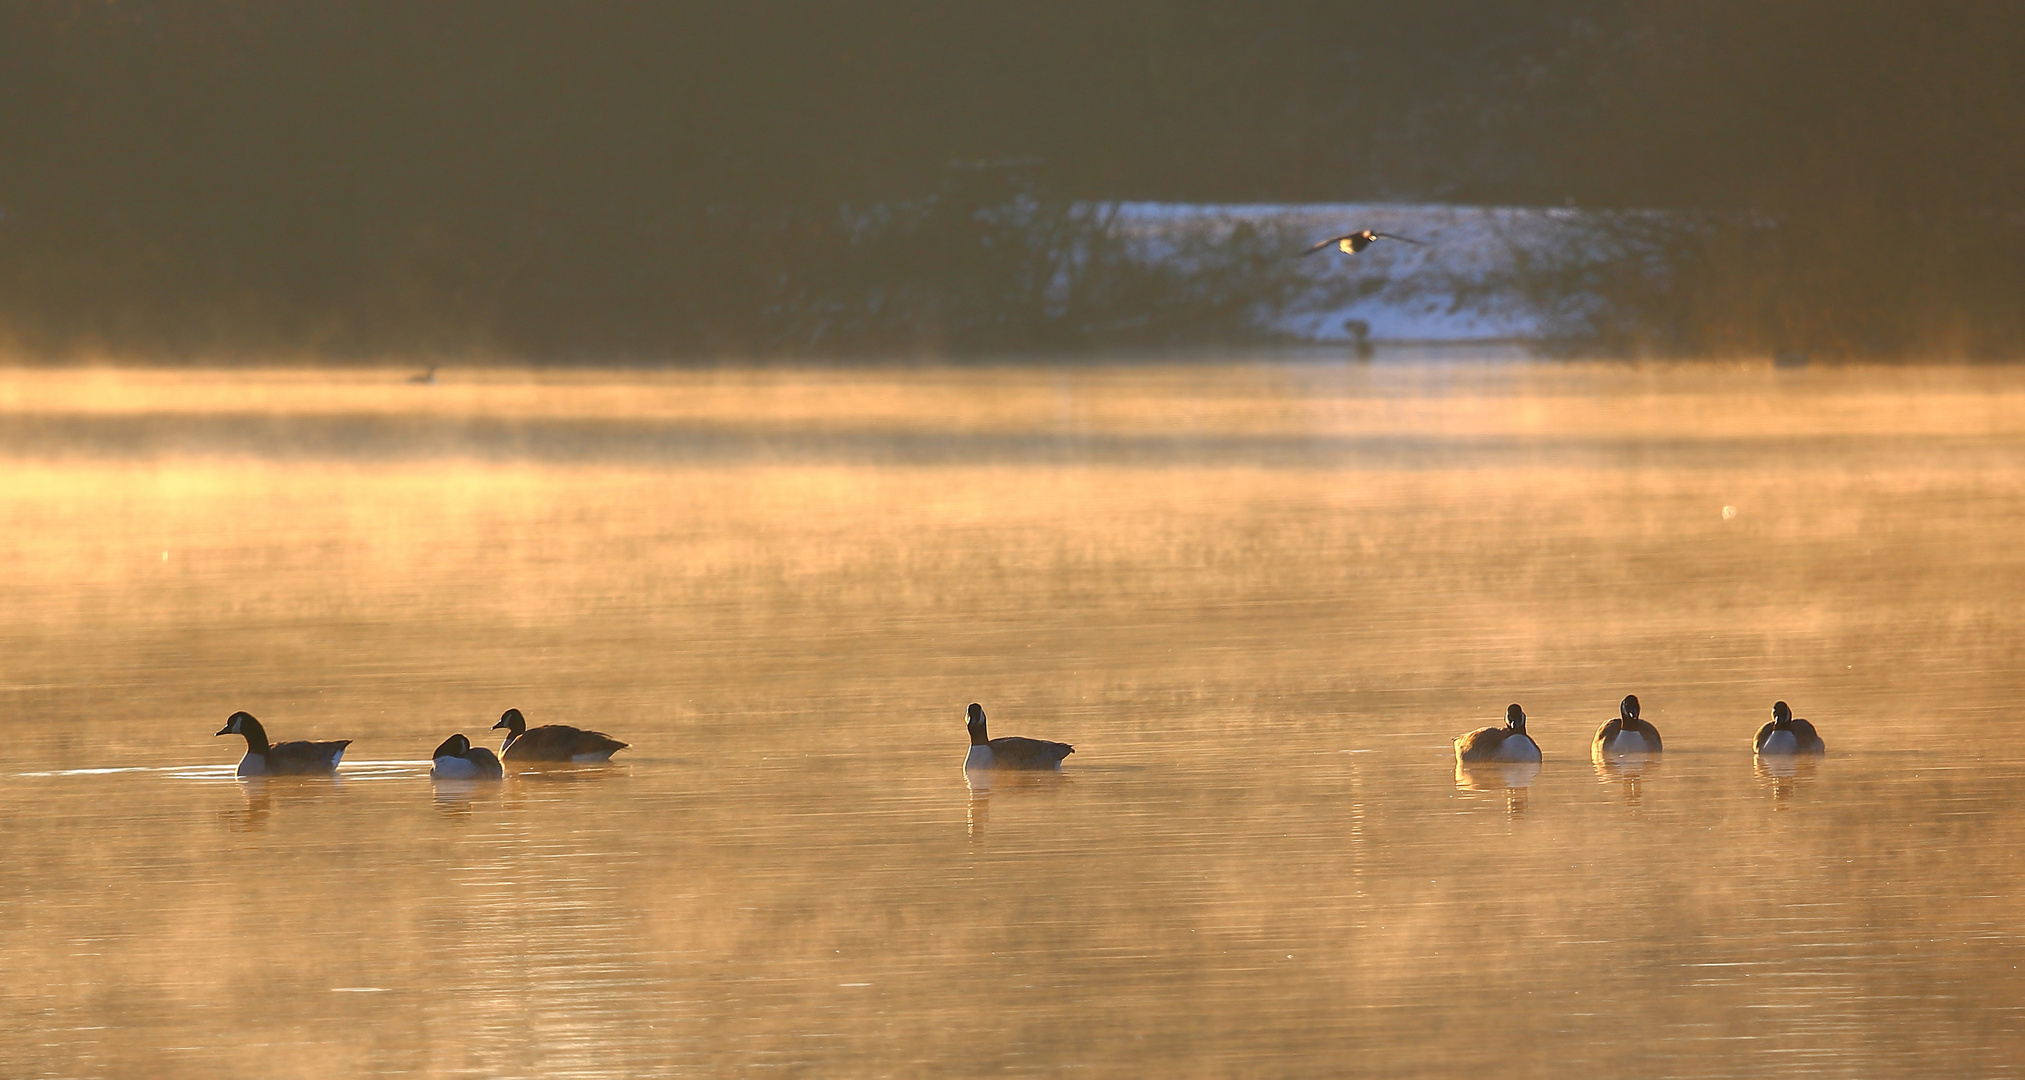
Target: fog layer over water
[[1260, 599]]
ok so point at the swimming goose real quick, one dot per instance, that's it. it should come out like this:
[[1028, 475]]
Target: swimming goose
[[1786, 734], [281, 759], [553, 742], [1627, 734], [457, 759], [1508, 743], [1352, 243], [1011, 752]]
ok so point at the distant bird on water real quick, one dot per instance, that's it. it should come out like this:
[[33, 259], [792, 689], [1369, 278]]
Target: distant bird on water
[[1627, 734], [1352, 243], [1011, 752], [427, 378], [1786, 734], [457, 759], [281, 759], [1508, 743], [553, 742]]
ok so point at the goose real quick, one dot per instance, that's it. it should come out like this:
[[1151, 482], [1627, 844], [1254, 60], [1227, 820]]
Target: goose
[[427, 378], [1787, 734], [1011, 752], [1508, 743], [281, 759], [1627, 734], [1352, 243], [457, 759], [553, 742]]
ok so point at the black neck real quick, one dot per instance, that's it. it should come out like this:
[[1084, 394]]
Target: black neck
[[256, 736], [977, 733]]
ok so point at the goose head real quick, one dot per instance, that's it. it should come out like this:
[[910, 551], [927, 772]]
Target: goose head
[[1782, 716], [454, 746], [1627, 710], [513, 722], [243, 723], [1515, 718], [976, 725]]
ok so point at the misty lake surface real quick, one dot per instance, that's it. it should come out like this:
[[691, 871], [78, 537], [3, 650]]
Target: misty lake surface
[[1261, 598]]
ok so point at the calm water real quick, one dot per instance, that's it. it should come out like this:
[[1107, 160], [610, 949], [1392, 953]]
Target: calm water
[[1260, 599]]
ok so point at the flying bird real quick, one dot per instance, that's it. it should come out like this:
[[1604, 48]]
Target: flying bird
[[1352, 243]]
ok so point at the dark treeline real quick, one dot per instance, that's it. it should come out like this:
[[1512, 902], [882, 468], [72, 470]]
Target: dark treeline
[[597, 180]]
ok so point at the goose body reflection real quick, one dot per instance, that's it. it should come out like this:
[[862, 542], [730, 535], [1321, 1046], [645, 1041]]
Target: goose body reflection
[[1010, 752], [1787, 735], [553, 742], [457, 759], [1496, 776], [296, 758], [1785, 774], [1627, 734], [1493, 744]]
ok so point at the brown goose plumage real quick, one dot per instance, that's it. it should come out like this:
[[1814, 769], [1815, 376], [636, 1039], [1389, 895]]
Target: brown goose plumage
[[553, 742], [1508, 743], [299, 758], [457, 759]]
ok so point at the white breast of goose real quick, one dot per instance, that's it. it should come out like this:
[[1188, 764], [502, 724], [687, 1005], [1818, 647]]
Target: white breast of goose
[[454, 768], [1628, 742], [1519, 747]]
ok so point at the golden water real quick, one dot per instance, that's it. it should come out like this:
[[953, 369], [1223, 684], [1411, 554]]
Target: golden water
[[1260, 598]]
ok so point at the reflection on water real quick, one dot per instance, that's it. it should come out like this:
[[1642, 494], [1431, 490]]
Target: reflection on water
[[1007, 784], [1260, 599], [1511, 778], [1786, 774], [454, 796], [1626, 772]]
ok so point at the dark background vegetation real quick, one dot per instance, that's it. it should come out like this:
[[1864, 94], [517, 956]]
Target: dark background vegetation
[[599, 180]]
